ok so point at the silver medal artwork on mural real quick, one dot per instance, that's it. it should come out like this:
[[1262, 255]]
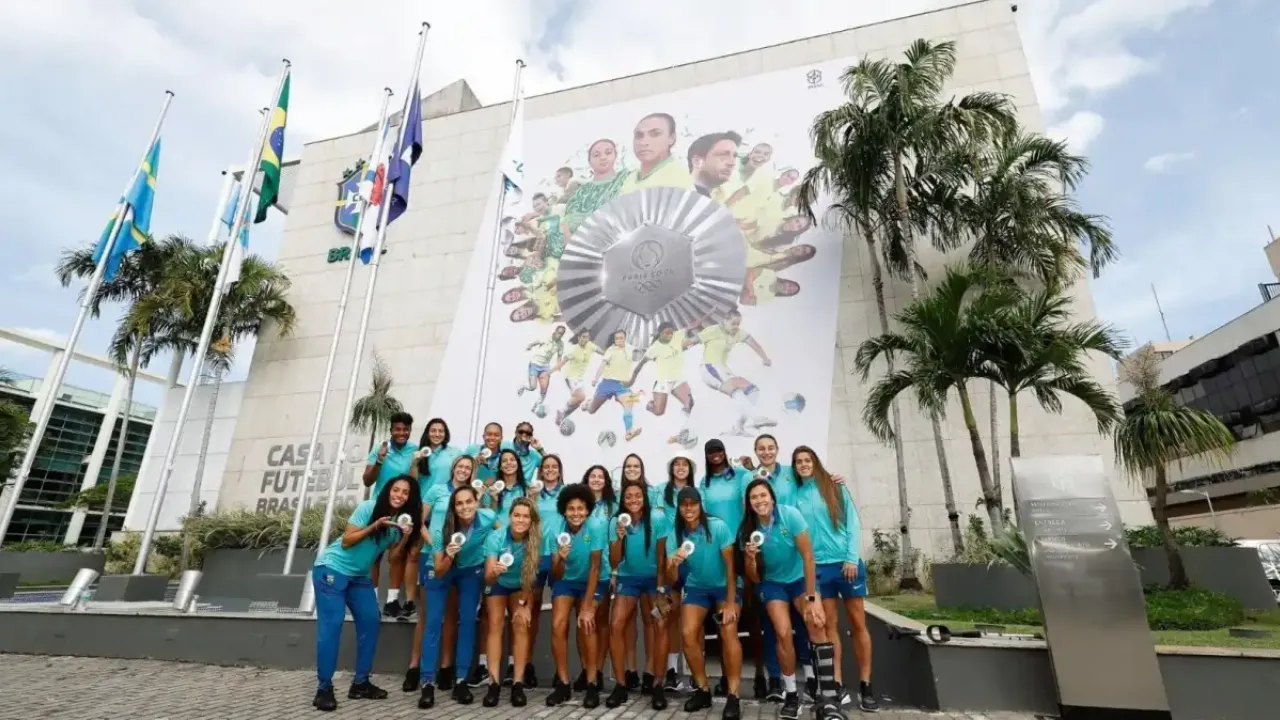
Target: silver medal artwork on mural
[[657, 255]]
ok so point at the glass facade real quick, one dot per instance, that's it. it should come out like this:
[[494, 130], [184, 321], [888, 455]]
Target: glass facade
[[63, 459], [1241, 388]]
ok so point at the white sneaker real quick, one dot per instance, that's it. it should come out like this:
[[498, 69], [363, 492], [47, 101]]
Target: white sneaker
[[763, 422]]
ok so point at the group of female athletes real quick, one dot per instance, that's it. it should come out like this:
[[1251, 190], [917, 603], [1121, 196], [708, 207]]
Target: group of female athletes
[[488, 527]]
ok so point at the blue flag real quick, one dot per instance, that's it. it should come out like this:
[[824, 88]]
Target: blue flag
[[238, 253], [137, 213], [408, 150]]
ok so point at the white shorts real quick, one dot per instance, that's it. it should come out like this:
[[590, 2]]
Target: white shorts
[[577, 384], [715, 376], [666, 386]]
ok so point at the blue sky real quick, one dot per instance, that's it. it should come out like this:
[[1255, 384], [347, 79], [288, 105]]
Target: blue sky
[[1173, 101]]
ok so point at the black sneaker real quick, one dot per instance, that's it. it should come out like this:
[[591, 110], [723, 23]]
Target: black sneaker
[[671, 682], [446, 677], [867, 698], [659, 698], [392, 609], [511, 675], [478, 677], [732, 709], [530, 677], [560, 692], [492, 695], [722, 687], [646, 684], [462, 694], [790, 707], [699, 700], [842, 695], [408, 613], [775, 690], [591, 699], [412, 679], [427, 699], [580, 684], [632, 679], [760, 687], [325, 701], [619, 696], [517, 695], [366, 691]]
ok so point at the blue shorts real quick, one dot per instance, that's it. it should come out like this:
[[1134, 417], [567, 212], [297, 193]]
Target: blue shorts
[[636, 586], [577, 589], [500, 590], [831, 582], [709, 598], [610, 389], [535, 369], [781, 592]]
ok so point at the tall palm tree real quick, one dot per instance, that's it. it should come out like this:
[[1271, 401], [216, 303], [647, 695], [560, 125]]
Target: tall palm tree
[[135, 341], [259, 299], [372, 413], [941, 342], [1022, 220], [1156, 430]]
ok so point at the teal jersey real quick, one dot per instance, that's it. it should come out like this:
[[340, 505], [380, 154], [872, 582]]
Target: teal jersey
[[783, 482], [591, 537], [604, 511], [530, 460], [440, 467], [658, 500], [500, 542], [546, 499], [489, 468], [437, 499], [706, 564], [782, 560], [472, 553], [503, 502], [358, 560], [397, 463], [831, 544], [640, 560], [723, 496]]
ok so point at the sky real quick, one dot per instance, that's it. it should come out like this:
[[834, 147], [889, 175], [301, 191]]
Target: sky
[[1173, 101]]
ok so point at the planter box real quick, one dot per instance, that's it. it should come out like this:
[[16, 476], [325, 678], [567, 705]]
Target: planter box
[[1234, 571], [981, 586], [235, 578], [52, 568]]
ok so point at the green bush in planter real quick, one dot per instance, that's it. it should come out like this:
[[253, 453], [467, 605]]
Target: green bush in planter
[[166, 550], [1191, 609], [39, 546], [247, 530], [1148, 536]]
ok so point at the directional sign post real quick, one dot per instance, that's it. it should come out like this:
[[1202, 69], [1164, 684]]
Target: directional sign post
[[1101, 649]]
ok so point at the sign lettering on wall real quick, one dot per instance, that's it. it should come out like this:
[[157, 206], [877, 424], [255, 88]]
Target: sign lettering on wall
[[278, 488]]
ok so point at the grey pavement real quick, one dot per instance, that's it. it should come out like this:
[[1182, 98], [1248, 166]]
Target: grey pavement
[[54, 688]]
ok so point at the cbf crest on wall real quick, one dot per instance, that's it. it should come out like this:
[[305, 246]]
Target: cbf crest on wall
[[346, 215]]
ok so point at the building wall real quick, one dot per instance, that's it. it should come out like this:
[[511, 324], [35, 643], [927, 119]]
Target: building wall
[[431, 246], [1253, 523]]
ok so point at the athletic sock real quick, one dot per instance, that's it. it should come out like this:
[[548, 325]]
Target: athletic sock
[[789, 683]]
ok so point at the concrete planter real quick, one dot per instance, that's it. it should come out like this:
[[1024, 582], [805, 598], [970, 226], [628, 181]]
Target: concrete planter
[[1234, 571], [981, 586], [235, 578], [52, 568]]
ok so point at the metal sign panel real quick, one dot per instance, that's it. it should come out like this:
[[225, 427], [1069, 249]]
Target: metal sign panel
[[1095, 618]]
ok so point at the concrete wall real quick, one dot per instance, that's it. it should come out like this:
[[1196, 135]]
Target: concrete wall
[[1254, 523], [431, 246]]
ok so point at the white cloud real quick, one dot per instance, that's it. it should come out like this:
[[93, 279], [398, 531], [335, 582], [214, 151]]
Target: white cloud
[[1165, 161], [1079, 130]]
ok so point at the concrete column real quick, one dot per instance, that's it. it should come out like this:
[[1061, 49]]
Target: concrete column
[[99, 454]]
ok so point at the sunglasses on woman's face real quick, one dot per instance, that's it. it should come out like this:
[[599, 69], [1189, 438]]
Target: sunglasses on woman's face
[[524, 433]]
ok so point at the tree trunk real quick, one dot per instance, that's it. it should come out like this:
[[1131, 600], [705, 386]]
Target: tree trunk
[[194, 508], [1159, 510], [100, 538], [995, 445], [373, 438], [908, 580], [980, 458], [1015, 449]]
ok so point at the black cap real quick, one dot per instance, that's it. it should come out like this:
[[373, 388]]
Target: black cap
[[713, 445], [689, 492]]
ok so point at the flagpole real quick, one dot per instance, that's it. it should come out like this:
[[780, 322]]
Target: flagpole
[[206, 336], [492, 278], [363, 204], [413, 97], [68, 352]]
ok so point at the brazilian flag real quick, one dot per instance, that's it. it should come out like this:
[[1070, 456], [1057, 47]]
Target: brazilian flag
[[272, 151]]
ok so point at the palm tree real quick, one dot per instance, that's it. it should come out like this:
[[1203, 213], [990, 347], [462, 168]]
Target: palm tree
[[1023, 222], [373, 412], [14, 428], [942, 342], [135, 342], [1156, 430], [257, 300]]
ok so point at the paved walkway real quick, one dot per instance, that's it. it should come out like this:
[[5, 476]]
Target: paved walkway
[[59, 688]]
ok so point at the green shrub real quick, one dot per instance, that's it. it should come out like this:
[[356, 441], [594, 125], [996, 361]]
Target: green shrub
[[1148, 536], [165, 553], [247, 530], [884, 567], [39, 546], [1191, 609]]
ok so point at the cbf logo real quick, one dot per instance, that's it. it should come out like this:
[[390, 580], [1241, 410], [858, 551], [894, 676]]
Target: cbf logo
[[345, 216], [814, 77]]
